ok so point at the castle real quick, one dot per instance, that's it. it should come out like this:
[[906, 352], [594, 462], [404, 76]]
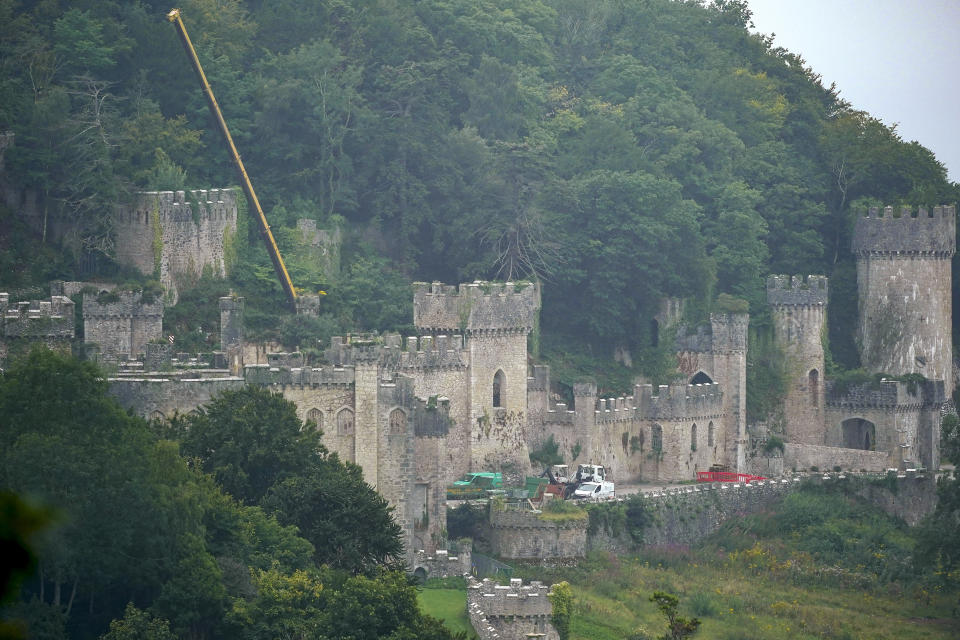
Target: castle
[[415, 413]]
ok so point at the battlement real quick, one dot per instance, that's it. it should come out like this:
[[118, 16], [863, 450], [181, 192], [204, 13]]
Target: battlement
[[170, 206], [53, 318], [477, 306], [665, 402], [263, 374], [921, 232], [392, 351], [120, 304], [887, 394], [726, 332], [515, 599], [797, 290]]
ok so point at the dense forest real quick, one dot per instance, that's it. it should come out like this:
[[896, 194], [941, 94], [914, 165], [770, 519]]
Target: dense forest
[[231, 522], [618, 150]]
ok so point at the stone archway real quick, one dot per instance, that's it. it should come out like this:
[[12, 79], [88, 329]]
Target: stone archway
[[859, 433]]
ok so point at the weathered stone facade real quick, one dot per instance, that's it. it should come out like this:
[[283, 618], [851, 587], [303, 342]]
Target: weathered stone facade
[[903, 275], [799, 320], [510, 612], [176, 235], [50, 322], [121, 323], [523, 535]]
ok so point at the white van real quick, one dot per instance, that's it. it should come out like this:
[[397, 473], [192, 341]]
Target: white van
[[595, 490]]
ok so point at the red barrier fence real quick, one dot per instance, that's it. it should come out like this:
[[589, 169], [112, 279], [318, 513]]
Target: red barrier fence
[[726, 476]]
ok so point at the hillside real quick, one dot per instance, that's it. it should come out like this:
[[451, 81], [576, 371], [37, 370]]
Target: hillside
[[621, 151]]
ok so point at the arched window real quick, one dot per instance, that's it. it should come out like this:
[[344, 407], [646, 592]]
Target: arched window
[[345, 422], [398, 421], [710, 434], [656, 438], [813, 382], [693, 437], [499, 389], [315, 416], [701, 378]]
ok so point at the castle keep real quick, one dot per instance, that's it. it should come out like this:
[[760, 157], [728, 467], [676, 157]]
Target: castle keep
[[176, 235]]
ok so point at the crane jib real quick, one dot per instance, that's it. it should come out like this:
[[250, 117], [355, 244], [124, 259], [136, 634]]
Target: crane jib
[[266, 234]]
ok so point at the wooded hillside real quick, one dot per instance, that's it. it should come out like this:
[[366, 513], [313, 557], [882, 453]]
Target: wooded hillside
[[620, 150]]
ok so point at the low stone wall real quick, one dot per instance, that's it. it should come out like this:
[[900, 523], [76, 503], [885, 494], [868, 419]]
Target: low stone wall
[[511, 612], [807, 456], [155, 397], [522, 535]]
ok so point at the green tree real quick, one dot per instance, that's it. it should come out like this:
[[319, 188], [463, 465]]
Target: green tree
[[350, 525], [138, 625], [678, 627], [249, 440], [561, 597]]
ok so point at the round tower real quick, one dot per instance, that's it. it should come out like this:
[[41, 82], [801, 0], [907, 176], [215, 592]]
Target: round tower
[[903, 277], [799, 320]]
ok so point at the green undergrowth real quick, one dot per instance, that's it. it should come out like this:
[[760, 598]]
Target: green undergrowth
[[821, 565]]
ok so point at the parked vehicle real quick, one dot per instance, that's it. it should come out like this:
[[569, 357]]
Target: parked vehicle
[[590, 473], [474, 485], [594, 490]]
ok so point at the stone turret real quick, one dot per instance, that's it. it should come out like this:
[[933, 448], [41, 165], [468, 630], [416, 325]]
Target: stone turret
[[50, 322], [495, 319], [177, 234], [904, 280], [121, 323], [799, 318]]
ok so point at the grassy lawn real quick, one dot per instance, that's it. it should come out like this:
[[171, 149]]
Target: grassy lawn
[[449, 605]]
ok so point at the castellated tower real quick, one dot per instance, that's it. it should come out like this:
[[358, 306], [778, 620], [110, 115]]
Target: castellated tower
[[903, 276], [176, 234], [495, 319], [799, 308]]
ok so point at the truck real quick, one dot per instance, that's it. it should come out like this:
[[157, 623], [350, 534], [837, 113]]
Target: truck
[[474, 485]]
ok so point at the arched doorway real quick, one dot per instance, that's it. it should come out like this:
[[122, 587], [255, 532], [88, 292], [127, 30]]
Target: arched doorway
[[859, 434], [499, 389]]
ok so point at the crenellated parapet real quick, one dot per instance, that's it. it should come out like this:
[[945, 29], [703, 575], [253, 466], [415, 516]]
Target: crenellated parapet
[[264, 374], [177, 207], [40, 319], [510, 612], [666, 402], [393, 352], [784, 290], [476, 307], [922, 232]]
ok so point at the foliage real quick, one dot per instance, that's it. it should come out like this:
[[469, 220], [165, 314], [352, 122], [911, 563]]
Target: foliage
[[678, 627], [138, 625], [561, 597], [465, 520], [141, 536], [773, 443], [548, 454]]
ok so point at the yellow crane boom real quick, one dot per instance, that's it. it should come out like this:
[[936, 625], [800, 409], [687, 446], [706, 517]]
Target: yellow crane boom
[[265, 233]]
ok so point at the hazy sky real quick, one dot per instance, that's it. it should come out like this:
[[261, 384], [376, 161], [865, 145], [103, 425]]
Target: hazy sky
[[899, 60]]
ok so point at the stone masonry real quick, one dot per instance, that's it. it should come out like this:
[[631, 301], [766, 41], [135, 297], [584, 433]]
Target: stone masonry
[[510, 612], [50, 322], [903, 275], [176, 235], [121, 323]]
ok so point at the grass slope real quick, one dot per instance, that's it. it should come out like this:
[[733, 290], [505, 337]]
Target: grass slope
[[448, 605]]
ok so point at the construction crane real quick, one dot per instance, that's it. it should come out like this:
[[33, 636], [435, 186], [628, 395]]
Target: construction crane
[[265, 233]]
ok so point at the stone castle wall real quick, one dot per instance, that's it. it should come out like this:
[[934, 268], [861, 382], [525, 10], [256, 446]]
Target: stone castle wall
[[903, 276], [165, 396], [175, 235], [510, 612], [522, 535], [22, 324], [799, 320], [121, 326]]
